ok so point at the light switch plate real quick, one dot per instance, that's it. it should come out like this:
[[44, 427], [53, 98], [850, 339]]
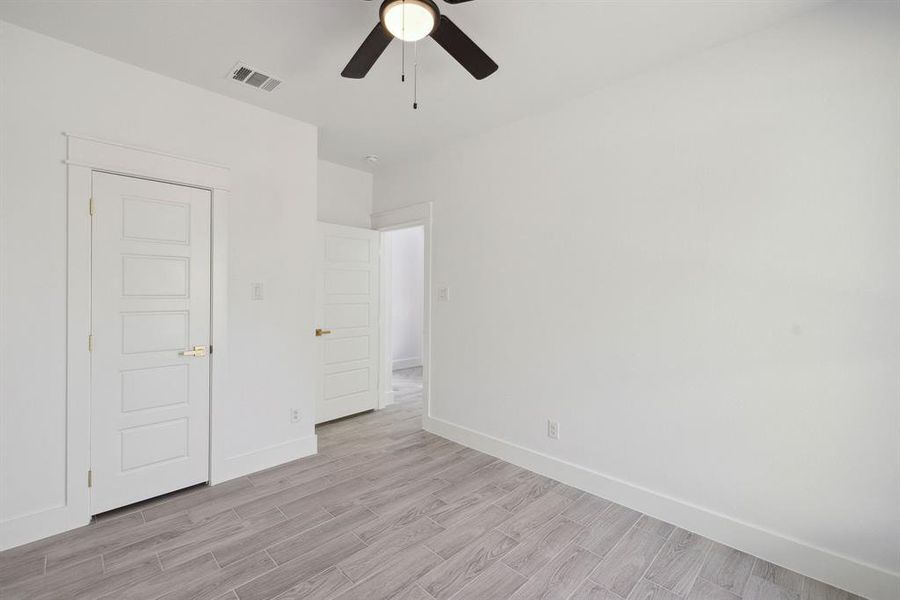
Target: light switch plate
[[256, 291], [443, 293]]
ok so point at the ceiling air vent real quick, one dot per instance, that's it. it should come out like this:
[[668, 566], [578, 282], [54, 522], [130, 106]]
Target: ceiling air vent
[[271, 84], [250, 76]]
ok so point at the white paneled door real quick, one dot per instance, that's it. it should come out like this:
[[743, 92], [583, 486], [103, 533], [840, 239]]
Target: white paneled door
[[347, 307], [150, 311]]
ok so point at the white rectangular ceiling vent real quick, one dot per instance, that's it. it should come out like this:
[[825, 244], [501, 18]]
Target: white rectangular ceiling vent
[[250, 76]]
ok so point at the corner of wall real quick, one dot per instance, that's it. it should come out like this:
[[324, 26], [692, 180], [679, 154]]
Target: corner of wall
[[264, 458], [840, 571], [344, 195]]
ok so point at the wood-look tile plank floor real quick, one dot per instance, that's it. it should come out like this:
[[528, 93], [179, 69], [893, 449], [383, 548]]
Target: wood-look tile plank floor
[[387, 510]]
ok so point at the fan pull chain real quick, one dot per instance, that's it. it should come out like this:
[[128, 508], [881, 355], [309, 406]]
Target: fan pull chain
[[415, 75], [403, 46]]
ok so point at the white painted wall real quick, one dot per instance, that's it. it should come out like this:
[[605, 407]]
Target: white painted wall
[[345, 195], [697, 272], [407, 294], [48, 87]]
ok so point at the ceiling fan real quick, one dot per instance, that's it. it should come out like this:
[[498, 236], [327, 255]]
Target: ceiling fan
[[410, 21]]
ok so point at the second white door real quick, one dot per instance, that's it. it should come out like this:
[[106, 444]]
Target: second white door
[[347, 307], [150, 325]]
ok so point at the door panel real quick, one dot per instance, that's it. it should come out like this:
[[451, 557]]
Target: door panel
[[346, 349], [162, 276], [347, 283], [150, 288], [143, 389], [347, 316], [146, 445], [347, 305], [155, 332]]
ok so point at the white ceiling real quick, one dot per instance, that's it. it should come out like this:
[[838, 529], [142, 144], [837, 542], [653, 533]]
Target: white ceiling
[[548, 52]]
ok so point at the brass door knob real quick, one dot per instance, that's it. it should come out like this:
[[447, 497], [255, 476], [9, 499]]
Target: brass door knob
[[321, 332], [197, 351]]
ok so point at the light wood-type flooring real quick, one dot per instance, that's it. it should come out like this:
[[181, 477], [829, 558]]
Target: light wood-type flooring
[[386, 510], [407, 384]]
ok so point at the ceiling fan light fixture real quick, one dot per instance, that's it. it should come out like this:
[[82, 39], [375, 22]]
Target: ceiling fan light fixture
[[409, 20]]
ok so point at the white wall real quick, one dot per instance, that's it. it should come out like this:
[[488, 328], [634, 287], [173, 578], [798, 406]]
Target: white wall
[[48, 87], [345, 195], [407, 296], [697, 272]]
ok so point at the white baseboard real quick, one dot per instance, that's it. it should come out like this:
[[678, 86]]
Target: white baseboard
[[387, 398], [264, 458], [840, 571], [39, 525], [406, 363], [36, 526]]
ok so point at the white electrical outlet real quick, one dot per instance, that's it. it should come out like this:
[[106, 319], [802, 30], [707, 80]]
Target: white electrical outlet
[[295, 415], [552, 429], [443, 294]]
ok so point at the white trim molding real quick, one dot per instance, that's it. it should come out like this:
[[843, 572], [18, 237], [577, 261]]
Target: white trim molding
[[264, 458], [401, 218], [840, 571], [385, 323], [85, 155], [114, 157], [414, 215], [407, 363], [220, 368]]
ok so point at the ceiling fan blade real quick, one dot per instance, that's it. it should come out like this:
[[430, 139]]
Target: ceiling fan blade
[[372, 47], [461, 47]]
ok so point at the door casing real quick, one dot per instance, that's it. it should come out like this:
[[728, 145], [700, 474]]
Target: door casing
[[416, 215], [86, 154]]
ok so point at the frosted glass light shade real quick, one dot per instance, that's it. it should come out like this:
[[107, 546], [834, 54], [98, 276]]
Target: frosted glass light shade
[[409, 20]]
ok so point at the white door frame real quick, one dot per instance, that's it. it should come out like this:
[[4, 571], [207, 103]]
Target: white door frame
[[84, 156], [415, 215]]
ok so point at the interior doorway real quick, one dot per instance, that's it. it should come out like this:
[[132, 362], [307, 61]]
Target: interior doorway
[[150, 315], [347, 307], [404, 313]]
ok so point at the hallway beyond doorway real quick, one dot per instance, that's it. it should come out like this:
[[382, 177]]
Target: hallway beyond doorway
[[407, 384]]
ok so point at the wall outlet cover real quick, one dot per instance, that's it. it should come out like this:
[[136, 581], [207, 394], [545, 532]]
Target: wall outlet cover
[[552, 429]]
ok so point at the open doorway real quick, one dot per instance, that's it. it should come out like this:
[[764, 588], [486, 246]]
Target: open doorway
[[413, 388], [404, 312]]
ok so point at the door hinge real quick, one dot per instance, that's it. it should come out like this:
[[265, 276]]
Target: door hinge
[[90, 478], [91, 208], [90, 342]]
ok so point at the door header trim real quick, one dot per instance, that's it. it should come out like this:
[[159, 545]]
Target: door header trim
[[85, 155], [134, 161]]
